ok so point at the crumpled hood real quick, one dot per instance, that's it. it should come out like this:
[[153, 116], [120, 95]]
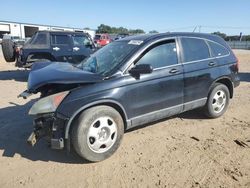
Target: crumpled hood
[[59, 73]]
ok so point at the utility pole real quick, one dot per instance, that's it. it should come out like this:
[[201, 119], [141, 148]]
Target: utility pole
[[199, 28], [194, 29]]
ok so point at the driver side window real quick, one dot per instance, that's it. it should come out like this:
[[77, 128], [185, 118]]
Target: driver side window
[[160, 55]]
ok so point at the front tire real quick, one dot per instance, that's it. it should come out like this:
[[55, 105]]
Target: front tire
[[97, 133], [218, 101]]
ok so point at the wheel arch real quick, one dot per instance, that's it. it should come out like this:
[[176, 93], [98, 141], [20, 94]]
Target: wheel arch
[[114, 104], [227, 82], [42, 55]]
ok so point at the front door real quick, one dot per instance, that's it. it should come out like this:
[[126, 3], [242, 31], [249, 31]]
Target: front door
[[82, 47], [158, 94], [61, 47]]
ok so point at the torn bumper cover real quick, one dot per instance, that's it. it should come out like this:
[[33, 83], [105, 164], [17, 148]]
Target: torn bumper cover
[[48, 122], [51, 127], [25, 94]]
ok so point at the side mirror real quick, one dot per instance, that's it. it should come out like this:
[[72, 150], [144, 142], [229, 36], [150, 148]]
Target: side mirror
[[137, 70]]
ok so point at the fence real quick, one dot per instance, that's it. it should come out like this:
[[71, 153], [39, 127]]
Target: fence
[[239, 44]]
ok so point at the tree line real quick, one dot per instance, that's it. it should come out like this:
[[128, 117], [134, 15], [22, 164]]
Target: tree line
[[233, 37], [117, 30]]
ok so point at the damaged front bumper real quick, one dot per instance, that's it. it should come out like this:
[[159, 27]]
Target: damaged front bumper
[[25, 94], [51, 127]]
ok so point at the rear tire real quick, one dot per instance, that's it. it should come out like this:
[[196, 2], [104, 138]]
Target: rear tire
[[8, 49], [218, 101], [97, 133]]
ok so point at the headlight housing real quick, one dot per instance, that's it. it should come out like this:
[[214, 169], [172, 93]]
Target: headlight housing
[[48, 104]]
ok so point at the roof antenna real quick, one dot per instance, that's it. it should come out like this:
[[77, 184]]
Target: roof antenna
[[194, 29]]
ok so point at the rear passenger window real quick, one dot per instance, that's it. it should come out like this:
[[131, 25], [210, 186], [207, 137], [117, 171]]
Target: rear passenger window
[[217, 49], [160, 55], [194, 49], [60, 39]]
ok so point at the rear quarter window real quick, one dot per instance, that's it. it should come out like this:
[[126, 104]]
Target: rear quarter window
[[218, 50], [39, 39], [194, 49]]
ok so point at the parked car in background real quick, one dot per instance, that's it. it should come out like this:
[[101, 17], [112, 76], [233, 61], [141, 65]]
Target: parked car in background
[[49, 46], [121, 35], [130, 82], [102, 39]]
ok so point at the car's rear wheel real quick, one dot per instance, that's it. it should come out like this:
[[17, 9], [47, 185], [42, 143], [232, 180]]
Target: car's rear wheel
[[97, 133], [8, 49], [218, 101]]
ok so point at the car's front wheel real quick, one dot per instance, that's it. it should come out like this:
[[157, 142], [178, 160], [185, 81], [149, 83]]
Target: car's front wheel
[[97, 133], [218, 101]]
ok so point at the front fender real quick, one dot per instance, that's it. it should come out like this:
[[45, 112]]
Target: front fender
[[98, 102]]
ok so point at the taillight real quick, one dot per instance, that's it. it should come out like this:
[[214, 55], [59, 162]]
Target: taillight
[[18, 50], [237, 63]]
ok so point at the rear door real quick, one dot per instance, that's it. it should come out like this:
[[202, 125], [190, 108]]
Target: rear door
[[82, 47], [61, 47], [200, 70]]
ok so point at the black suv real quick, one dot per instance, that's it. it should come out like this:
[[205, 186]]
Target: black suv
[[50, 46], [130, 82]]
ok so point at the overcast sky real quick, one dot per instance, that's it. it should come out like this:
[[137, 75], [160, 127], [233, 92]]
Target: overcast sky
[[231, 17]]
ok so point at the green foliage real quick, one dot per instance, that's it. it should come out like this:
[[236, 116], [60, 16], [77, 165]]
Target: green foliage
[[222, 35], [233, 37], [247, 37], [115, 30], [153, 31]]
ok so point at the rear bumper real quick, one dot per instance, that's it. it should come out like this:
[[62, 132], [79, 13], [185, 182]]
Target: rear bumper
[[51, 127], [19, 62], [22, 63], [236, 81]]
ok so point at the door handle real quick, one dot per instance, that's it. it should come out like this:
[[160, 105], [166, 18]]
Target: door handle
[[211, 64], [76, 49], [56, 48], [174, 71]]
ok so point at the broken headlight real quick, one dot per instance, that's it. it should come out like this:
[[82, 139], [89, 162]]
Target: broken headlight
[[48, 104]]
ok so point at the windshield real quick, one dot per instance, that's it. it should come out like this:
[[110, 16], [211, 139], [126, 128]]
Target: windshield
[[108, 58]]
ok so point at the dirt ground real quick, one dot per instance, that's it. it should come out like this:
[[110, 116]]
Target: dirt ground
[[187, 150]]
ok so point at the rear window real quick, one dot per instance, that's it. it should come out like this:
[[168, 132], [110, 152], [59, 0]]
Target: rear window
[[60, 39], [217, 49], [194, 49], [39, 39], [97, 37]]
